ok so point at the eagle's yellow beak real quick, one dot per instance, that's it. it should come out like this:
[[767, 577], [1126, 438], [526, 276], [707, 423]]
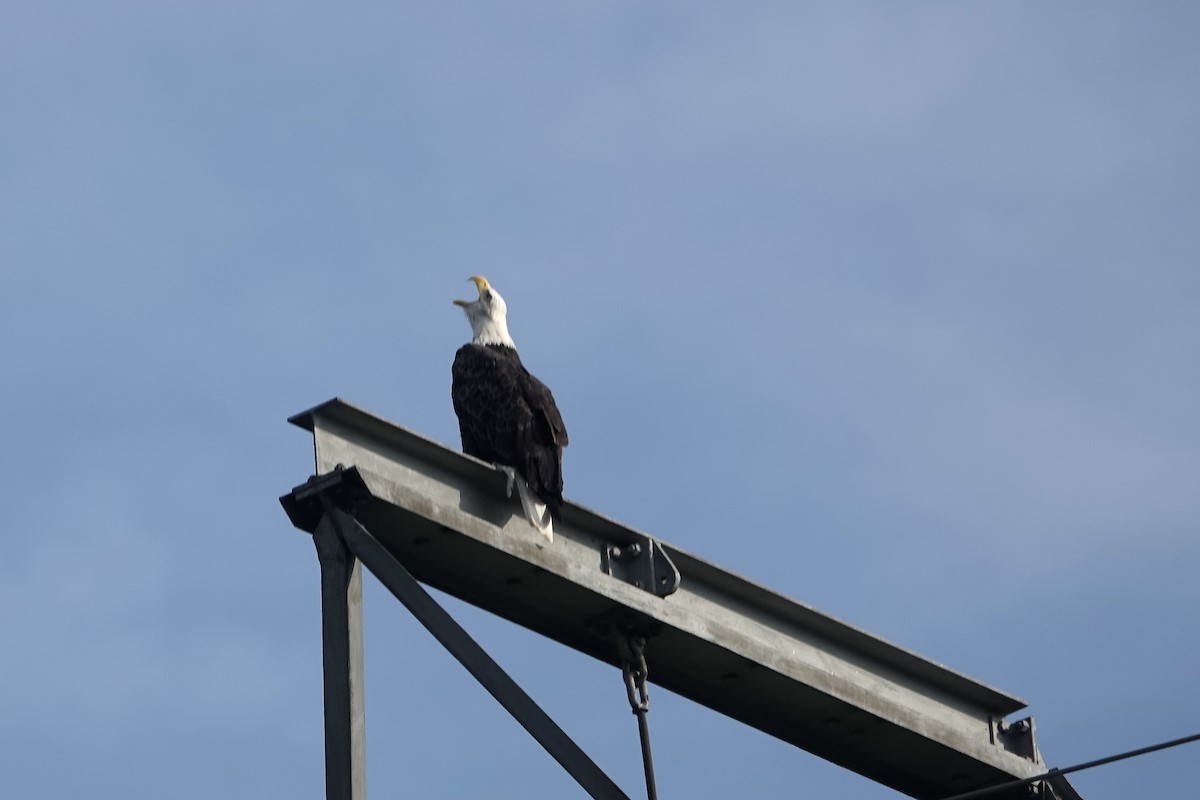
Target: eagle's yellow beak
[[480, 284]]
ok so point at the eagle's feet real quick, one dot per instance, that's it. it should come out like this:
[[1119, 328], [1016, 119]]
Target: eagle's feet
[[511, 477]]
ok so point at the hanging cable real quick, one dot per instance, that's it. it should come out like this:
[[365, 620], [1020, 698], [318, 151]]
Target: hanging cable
[[635, 672], [1141, 751]]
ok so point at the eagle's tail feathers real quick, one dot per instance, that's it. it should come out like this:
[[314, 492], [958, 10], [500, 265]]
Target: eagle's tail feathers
[[535, 511]]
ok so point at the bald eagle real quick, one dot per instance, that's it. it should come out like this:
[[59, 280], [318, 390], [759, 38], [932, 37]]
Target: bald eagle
[[505, 415]]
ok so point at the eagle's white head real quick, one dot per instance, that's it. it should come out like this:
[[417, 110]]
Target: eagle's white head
[[488, 315]]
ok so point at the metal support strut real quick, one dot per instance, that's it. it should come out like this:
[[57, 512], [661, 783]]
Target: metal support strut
[[635, 672], [325, 504]]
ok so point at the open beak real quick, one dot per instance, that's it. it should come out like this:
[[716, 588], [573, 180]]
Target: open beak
[[480, 284]]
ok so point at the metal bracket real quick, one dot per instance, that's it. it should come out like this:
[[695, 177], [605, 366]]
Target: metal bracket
[[1018, 738], [307, 503], [644, 564]]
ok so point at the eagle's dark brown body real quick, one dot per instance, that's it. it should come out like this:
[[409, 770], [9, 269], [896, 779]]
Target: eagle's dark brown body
[[507, 416]]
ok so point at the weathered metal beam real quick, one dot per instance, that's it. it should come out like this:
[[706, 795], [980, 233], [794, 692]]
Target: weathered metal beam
[[719, 639]]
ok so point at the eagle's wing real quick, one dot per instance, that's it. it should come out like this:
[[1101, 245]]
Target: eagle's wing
[[507, 416]]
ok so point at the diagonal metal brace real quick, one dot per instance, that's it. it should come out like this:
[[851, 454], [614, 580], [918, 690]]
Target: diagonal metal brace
[[392, 574]]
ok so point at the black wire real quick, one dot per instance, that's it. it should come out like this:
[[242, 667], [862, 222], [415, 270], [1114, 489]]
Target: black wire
[[1141, 751], [647, 758], [634, 671]]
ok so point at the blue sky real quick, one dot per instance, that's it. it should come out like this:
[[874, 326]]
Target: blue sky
[[894, 308]]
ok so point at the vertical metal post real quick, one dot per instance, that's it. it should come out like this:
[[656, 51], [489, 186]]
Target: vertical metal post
[[342, 658]]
